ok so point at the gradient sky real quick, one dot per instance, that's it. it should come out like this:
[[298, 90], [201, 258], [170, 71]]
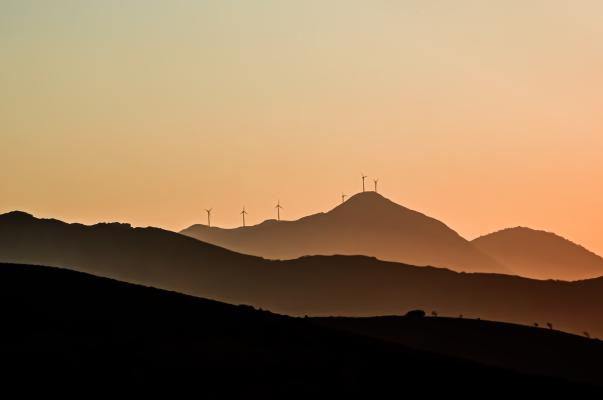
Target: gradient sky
[[482, 114]]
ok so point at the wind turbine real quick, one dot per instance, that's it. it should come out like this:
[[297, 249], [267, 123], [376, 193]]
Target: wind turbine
[[208, 211], [278, 210], [343, 196], [376, 181], [243, 214], [363, 178]]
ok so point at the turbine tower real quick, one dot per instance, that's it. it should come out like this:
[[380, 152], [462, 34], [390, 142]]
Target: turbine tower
[[208, 211], [278, 210], [363, 178], [243, 213], [375, 181], [343, 196]]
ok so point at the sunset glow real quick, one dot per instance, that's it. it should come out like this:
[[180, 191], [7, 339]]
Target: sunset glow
[[484, 115]]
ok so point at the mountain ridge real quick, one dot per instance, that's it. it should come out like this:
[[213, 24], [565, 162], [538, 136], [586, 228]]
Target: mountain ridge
[[367, 223], [314, 285], [540, 254]]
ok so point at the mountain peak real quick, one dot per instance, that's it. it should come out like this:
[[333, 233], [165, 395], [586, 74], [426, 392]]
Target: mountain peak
[[371, 201], [16, 215], [368, 194], [373, 209], [522, 230], [540, 254], [535, 236], [368, 197], [367, 223]]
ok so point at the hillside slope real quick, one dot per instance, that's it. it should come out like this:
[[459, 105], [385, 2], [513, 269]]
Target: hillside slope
[[515, 347], [69, 331]]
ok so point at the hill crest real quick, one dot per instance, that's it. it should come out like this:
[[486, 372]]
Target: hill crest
[[540, 254], [367, 223]]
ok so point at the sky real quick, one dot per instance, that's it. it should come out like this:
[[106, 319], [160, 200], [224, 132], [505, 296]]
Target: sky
[[484, 115]]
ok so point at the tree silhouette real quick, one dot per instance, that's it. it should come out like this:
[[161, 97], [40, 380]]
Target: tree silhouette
[[587, 334], [415, 314], [460, 315], [536, 324], [434, 313], [549, 325]]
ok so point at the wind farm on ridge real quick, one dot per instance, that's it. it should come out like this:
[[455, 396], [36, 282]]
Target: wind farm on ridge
[[279, 207]]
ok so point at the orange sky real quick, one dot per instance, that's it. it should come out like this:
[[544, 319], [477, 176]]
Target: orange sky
[[482, 114]]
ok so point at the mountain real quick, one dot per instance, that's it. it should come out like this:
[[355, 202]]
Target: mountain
[[317, 285], [140, 255], [367, 224], [540, 255], [66, 332]]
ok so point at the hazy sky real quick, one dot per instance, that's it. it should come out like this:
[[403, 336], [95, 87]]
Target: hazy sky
[[484, 114]]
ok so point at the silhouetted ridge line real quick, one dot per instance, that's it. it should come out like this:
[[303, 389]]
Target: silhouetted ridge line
[[72, 331], [322, 285], [521, 348], [367, 223], [540, 254]]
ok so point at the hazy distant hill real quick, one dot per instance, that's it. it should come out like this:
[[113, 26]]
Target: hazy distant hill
[[366, 224], [319, 285], [70, 332], [540, 255]]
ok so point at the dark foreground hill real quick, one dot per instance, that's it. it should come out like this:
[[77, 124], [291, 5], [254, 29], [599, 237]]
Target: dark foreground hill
[[318, 286], [534, 350], [67, 330], [540, 255], [366, 224]]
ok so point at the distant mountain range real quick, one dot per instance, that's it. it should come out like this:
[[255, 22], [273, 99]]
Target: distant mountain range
[[540, 255], [366, 224], [318, 285], [66, 332], [369, 224]]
